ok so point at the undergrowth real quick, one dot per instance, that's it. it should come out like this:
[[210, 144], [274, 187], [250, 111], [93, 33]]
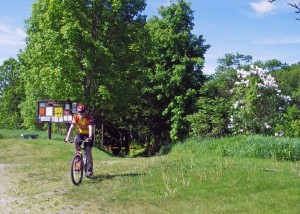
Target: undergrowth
[[255, 146]]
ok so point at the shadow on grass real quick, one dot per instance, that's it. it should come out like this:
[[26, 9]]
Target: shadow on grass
[[102, 177]]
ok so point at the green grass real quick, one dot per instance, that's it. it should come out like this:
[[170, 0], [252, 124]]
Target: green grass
[[13, 134], [198, 176]]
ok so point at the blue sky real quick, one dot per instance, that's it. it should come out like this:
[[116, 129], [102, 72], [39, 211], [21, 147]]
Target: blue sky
[[253, 27]]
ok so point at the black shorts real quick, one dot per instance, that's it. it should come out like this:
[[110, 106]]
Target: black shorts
[[80, 137]]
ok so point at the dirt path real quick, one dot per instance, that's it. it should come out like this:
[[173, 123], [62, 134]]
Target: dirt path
[[7, 202]]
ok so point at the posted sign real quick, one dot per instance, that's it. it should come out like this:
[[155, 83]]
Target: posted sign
[[55, 111]]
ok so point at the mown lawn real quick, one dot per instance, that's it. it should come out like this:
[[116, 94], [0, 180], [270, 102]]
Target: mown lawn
[[200, 176]]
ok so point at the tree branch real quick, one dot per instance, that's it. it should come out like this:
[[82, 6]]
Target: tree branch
[[294, 5], [297, 6]]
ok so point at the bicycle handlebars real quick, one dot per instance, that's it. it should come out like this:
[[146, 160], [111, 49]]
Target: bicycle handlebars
[[80, 141]]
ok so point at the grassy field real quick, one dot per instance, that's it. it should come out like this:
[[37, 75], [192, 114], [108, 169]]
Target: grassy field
[[199, 176]]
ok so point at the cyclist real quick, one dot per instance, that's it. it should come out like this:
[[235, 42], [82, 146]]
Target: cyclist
[[84, 122]]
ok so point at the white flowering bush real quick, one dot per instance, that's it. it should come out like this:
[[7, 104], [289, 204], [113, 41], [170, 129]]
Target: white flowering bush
[[257, 102]]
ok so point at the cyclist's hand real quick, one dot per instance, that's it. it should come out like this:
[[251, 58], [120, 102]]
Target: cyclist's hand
[[67, 140], [90, 140]]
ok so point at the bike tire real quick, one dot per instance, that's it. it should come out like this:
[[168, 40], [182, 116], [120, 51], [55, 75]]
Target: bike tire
[[76, 170]]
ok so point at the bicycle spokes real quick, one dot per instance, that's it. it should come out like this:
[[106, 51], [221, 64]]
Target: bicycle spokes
[[76, 169]]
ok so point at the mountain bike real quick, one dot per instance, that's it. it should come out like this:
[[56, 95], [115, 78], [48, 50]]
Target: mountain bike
[[79, 162]]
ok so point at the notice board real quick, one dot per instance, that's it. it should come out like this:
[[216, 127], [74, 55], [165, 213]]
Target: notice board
[[55, 111]]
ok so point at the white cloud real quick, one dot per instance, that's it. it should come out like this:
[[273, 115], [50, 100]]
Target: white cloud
[[11, 41], [262, 7], [11, 36], [290, 40]]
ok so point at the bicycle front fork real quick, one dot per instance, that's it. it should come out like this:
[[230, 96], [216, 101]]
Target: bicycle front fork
[[85, 159]]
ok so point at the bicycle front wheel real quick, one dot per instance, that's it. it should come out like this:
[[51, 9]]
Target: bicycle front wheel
[[76, 170]]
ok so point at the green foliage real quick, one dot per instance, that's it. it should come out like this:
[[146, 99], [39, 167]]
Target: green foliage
[[233, 61], [211, 117], [244, 99], [138, 77], [271, 65], [290, 125], [257, 102], [288, 79], [90, 53], [11, 94], [96, 53], [175, 68]]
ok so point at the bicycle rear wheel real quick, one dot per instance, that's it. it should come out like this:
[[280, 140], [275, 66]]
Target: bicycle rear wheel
[[76, 170]]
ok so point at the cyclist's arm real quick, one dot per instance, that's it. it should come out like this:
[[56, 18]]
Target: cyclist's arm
[[90, 131], [69, 132]]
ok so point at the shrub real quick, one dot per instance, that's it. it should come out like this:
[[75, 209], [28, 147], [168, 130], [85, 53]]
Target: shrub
[[257, 101]]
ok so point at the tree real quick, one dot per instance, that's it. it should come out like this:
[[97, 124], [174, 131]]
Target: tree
[[11, 94], [288, 79], [290, 124], [85, 51], [257, 102], [271, 65], [233, 61], [211, 118], [175, 65], [213, 106]]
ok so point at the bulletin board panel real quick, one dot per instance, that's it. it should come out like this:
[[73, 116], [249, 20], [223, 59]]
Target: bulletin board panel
[[55, 111]]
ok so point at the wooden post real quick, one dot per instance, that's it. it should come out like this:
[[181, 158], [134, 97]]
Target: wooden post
[[49, 130], [102, 144]]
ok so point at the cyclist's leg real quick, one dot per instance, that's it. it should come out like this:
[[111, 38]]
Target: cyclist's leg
[[77, 139], [90, 157]]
